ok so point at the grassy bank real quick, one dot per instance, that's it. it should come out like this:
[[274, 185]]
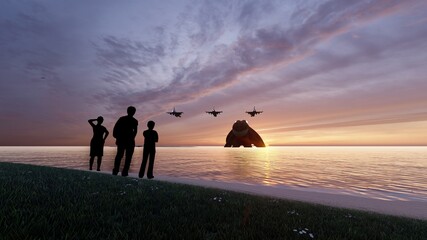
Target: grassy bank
[[42, 202]]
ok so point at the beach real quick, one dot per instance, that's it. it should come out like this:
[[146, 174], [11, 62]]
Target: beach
[[40, 202], [389, 180], [410, 209]]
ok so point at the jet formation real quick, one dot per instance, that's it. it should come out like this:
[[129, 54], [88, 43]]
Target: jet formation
[[175, 113], [214, 112], [253, 112]]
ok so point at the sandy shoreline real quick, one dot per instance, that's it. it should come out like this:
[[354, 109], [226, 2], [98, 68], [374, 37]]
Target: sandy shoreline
[[411, 209]]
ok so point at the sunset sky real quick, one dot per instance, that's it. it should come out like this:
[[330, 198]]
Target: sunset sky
[[335, 72]]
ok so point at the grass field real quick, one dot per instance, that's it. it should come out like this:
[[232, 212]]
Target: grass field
[[48, 203]]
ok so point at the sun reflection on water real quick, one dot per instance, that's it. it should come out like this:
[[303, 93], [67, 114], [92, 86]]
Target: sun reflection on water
[[378, 172]]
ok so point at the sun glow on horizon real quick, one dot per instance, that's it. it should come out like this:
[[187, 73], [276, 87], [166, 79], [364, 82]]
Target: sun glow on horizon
[[316, 82]]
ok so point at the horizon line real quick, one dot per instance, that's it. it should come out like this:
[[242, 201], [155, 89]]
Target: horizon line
[[292, 145]]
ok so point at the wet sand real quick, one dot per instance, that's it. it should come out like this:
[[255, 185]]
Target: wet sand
[[411, 209]]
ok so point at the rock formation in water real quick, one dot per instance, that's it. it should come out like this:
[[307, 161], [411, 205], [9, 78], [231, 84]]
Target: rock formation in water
[[243, 135]]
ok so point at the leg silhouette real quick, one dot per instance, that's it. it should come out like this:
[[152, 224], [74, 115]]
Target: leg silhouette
[[98, 166], [91, 162], [118, 159], [151, 164], [128, 159], [143, 163]]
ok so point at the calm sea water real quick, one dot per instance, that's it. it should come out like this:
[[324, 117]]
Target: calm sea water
[[390, 173]]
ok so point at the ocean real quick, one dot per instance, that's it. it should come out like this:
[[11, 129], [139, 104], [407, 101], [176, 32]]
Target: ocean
[[387, 173]]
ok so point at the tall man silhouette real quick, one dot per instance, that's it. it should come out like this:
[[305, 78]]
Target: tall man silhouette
[[124, 132]]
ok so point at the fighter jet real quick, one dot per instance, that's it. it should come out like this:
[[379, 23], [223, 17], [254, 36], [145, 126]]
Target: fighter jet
[[214, 113], [253, 112], [175, 113]]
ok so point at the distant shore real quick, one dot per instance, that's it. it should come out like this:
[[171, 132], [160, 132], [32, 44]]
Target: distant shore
[[411, 209]]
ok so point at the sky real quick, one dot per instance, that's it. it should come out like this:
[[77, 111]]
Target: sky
[[323, 72]]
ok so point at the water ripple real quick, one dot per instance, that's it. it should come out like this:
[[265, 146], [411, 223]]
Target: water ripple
[[390, 173]]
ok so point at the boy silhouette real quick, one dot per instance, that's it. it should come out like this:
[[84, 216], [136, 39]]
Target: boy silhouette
[[150, 139], [100, 133], [125, 131]]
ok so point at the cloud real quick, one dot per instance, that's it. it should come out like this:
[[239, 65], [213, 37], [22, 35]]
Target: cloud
[[41, 100], [399, 118], [127, 56], [252, 50], [65, 66], [335, 67]]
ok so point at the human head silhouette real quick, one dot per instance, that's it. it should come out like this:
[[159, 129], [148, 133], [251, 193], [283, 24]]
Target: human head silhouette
[[131, 110], [150, 124], [100, 120]]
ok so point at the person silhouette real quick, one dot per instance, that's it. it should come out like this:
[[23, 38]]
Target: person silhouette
[[150, 139], [124, 132], [100, 133]]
